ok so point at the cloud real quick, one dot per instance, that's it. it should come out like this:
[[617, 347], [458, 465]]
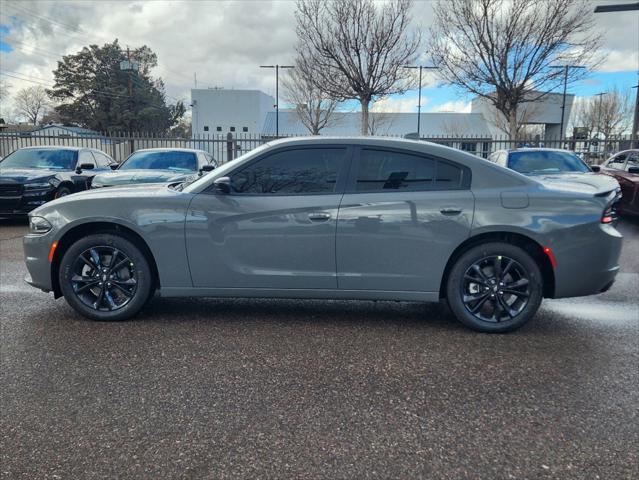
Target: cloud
[[397, 105], [223, 41], [453, 106]]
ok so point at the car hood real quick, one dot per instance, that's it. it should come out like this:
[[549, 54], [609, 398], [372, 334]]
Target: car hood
[[126, 177], [26, 175], [578, 182]]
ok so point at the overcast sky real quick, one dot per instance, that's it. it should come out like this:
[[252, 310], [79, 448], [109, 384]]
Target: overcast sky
[[224, 42]]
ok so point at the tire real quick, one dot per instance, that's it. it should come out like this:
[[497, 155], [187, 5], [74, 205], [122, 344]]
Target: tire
[[111, 295], [62, 191], [481, 301]]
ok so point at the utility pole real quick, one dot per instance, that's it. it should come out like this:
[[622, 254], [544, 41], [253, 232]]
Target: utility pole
[[277, 94], [195, 78], [128, 66], [563, 101], [419, 101], [600, 95]]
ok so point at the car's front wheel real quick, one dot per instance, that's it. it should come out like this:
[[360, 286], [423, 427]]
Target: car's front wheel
[[494, 287], [105, 277]]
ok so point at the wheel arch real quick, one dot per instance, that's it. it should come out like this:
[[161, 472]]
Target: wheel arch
[[91, 228], [525, 242]]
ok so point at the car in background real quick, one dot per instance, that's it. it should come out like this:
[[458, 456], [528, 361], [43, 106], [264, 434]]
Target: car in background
[[553, 165], [333, 218], [624, 167], [32, 176], [158, 165]]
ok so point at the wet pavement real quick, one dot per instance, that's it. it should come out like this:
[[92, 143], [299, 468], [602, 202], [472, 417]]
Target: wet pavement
[[317, 389]]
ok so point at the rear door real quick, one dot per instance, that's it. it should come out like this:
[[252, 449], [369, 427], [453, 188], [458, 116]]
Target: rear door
[[276, 229], [400, 219]]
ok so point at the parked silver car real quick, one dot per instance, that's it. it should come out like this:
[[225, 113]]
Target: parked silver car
[[157, 165], [333, 218], [553, 165]]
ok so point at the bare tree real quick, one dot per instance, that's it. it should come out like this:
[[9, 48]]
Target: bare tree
[[31, 102], [354, 49], [610, 114], [524, 114], [313, 106], [502, 50]]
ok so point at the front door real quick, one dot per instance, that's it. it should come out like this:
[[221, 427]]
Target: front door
[[402, 216], [276, 229]]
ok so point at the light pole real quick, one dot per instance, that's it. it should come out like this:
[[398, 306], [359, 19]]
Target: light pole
[[635, 121], [563, 101], [277, 94], [419, 101]]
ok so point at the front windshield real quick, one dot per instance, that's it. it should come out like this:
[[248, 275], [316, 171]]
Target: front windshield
[[163, 160], [43, 158], [539, 162]]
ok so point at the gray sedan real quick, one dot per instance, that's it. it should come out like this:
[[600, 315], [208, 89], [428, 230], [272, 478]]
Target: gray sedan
[[330, 218]]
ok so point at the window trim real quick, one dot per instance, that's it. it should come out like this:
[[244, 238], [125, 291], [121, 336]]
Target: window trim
[[351, 183], [340, 184]]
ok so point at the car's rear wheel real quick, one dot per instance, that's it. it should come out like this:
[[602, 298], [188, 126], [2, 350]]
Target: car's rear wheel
[[105, 277], [494, 287]]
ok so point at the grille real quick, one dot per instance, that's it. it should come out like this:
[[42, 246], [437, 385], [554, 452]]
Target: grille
[[10, 190]]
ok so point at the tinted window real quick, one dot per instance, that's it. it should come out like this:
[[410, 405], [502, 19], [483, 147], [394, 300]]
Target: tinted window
[[633, 160], [386, 170], [56, 159], [291, 171], [162, 160], [545, 162], [448, 177]]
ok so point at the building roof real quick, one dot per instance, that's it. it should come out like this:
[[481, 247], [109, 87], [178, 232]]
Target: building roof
[[433, 124], [74, 130]]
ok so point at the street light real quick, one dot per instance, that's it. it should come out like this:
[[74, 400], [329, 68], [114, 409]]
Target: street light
[[277, 94], [419, 102], [563, 101]]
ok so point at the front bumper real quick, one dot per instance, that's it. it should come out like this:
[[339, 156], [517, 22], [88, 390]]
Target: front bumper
[[20, 203], [36, 253]]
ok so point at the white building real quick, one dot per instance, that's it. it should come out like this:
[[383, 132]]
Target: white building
[[220, 111], [545, 111]]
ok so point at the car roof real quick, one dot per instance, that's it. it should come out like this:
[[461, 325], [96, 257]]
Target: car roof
[[166, 149], [56, 147]]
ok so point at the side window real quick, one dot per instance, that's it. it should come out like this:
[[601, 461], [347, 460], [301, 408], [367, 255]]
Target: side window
[[85, 156], [633, 160], [210, 159], [387, 170], [300, 171], [102, 160], [617, 162], [448, 176]]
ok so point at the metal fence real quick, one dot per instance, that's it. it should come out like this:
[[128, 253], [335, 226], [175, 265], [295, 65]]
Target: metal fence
[[224, 147]]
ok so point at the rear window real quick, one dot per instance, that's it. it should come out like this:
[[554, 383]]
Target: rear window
[[545, 162]]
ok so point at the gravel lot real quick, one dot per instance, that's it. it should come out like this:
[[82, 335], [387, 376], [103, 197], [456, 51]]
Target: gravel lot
[[309, 389]]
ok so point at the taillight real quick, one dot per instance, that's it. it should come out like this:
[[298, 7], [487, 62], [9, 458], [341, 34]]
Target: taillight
[[609, 215]]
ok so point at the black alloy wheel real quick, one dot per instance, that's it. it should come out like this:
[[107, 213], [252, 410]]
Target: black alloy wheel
[[494, 287]]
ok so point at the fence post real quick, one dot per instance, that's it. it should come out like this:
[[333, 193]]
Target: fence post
[[229, 147]]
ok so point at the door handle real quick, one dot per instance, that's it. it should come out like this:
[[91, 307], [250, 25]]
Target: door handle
[[451, 211], [318, 216]]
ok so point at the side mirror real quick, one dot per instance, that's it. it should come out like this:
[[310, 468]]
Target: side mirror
[[634, 170], [114, 166], [206, 169], [222, 185], [595, 168], [84, 166]]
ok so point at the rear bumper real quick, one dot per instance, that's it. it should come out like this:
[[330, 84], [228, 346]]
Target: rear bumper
[[36, 252], [588, 263]]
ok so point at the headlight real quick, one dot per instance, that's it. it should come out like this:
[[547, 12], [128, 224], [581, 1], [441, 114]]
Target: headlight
[[39, 185], [39, 225]]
